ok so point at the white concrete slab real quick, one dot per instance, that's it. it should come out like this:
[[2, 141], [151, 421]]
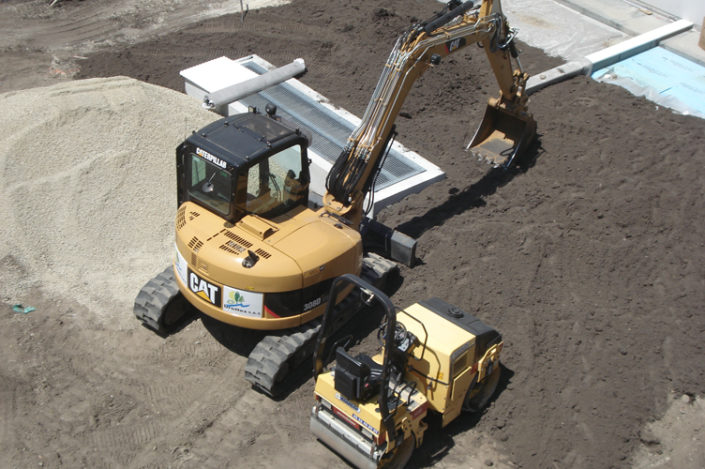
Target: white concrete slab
[[558, 30], [634, 17], [691, 10], [595, 34]]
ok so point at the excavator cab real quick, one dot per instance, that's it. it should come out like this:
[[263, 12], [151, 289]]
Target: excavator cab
[[249, 164]]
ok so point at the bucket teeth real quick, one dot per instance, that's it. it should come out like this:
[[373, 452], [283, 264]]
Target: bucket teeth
[[490, 158]]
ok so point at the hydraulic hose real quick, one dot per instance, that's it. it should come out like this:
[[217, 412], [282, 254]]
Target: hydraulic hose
[[445, 19]]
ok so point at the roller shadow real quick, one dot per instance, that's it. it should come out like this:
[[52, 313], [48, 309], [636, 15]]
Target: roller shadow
[[361, 325], [242, 341], [438, 441]]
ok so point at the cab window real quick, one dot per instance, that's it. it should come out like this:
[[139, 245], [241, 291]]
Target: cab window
[[277, 184], [210, 185]]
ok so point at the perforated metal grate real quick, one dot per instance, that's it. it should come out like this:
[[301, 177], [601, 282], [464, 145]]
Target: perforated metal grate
[[232, 247]]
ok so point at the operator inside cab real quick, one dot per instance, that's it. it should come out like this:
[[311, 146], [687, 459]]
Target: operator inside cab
[[265, 175]]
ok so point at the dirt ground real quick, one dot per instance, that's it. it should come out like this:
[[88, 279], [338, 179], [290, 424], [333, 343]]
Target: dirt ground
[[42, 44], [588, 257]]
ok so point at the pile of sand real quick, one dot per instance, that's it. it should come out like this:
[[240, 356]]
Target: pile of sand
[[88, 188]]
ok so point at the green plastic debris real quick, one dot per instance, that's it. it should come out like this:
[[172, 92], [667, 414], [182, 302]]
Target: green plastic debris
[[18, 308]]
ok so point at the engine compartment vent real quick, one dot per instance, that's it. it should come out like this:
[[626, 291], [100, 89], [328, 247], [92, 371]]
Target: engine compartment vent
[[195, 244], [262, 253], [232, 248], [181, 218], [239, 240]]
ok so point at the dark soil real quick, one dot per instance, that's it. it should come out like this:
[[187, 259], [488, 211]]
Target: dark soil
[[588, 256]]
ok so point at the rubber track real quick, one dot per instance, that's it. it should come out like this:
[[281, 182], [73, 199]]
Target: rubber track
[[276, 355], [153, 299]]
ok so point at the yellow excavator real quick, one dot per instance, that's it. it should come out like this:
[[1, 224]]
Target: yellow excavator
[[252, 251], [435, 357]]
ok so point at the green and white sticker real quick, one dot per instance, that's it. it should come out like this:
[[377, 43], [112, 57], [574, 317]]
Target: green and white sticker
[[242, 303]]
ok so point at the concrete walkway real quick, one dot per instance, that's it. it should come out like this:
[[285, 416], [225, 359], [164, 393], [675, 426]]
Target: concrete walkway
[[593, 36]]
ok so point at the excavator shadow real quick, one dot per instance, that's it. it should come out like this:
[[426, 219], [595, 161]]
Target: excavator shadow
[[438, 441], [473, 196], [236, 339], [179, 315]]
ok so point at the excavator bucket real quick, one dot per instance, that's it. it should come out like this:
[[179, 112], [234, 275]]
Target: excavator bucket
[[502, 136]]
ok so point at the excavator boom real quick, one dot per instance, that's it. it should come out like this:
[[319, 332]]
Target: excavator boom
[[505, 132]]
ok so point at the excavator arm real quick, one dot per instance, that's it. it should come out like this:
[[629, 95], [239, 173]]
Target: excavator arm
[[506, 130]]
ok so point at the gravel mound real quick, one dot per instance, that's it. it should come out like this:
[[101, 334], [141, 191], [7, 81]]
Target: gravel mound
[[88, 184]]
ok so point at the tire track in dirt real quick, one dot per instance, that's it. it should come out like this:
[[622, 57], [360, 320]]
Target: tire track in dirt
[[75, 25], [163, 396], [73, 32], [121, 442], [191, 405], [240, 430]]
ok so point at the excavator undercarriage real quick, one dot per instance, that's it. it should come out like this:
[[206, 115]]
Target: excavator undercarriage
[[159, 306]]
